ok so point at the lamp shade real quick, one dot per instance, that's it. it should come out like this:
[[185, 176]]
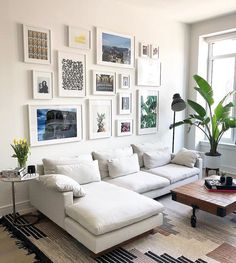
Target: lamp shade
[[177, 104]]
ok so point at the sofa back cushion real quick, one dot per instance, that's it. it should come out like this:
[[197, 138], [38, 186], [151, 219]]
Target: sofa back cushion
[[83, 173], [185, 157], [123, 166], [104, 156], [155, 159]]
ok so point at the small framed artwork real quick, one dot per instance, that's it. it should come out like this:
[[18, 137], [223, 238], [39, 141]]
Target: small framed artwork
[[148, 113], [144, 50], [42, 85], [71, 74], [124, 103], [115, 49], [37, 45], [100, 119], [154, 52], [125, 81], [104, 83], [124, 127], [51, 124], [79, 37], [148, 72]]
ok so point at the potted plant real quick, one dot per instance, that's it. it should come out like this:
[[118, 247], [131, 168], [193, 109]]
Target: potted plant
[[21, 151], [212, 122]]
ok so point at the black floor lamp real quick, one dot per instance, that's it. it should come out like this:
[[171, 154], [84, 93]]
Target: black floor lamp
[[177, 104]]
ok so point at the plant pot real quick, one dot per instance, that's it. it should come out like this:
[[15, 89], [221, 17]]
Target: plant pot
[[212, 161]]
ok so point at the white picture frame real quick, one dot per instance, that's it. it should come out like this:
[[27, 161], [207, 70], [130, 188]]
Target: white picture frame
[[124, 103], [148, 111], [71, 74], [124, 127], [125, 81], [42, 84], [121, 45], [100, 119], [79, 37], [37, 45], [144, 50], [104, 83], [154, 51], [65, 127]]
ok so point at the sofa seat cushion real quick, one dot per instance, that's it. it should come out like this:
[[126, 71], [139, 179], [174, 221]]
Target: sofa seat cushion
[[174, 172], [107, 207], [140, 182]]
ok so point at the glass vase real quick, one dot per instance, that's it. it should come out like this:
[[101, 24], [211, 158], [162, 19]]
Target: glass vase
[[22, 163]]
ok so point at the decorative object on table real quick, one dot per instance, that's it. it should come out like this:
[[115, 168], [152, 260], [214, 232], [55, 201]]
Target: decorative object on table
[[125, 81], [216, 185], [144, 50], [31, 169], [148, 72], [14, 173], [154, 51], [212, 122], [79, 37], [100, 119], [178, 104], [148, 104], [50, 124], [37, 45], [124, 103], [115, 49], [21, 151], [71, 74], [104, 83], [42, 84], [124, 127]]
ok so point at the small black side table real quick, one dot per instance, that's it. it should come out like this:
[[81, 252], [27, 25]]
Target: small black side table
[[217, 170]]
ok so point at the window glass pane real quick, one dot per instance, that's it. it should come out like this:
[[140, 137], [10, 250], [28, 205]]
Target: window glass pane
[[224, 47]]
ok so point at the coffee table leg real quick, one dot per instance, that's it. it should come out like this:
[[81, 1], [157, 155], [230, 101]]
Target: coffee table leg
[[193, 217]]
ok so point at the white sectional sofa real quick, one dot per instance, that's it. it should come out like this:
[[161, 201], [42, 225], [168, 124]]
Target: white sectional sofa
[[116, 206]]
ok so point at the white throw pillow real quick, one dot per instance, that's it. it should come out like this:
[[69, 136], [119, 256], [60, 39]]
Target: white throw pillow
[[185, 157], [50, 164], [62, 183], [82, 173], [123, 166], [156, 158]]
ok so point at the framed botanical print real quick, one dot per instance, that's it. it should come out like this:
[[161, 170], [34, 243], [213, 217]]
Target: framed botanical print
[[148, 113], [115, 49], [51, 124], [125, 81], [79, 37], [71, 74], [42, 85], [124, 127], [154, 52], [100, 119], [104, 83], [37, 45], [144, 50], [124, 103]]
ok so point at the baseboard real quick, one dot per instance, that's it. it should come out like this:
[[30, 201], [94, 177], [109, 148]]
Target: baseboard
[[23, 207]]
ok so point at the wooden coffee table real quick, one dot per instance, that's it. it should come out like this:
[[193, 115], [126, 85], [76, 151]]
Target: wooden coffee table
[[198, 197]]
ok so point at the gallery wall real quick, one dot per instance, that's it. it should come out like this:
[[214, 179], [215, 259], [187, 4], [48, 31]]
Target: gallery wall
[[145, 24]]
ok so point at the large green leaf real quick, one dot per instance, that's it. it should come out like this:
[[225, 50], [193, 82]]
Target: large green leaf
[[197, 107], [231, 122], [223, 112]]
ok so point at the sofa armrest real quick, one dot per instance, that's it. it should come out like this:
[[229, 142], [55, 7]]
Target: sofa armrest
[[50, 202], [199, 164]]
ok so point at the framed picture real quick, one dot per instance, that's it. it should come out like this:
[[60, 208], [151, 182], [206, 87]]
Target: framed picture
[[148, 105], [125, 82], [42, 85], [144, 50], [37, 45], [124, 103], [79, 37], [148, 72], [50, 124], [114, 49], [104, 83], [154, 52], [124, 127], [100, 119], [71, 74]]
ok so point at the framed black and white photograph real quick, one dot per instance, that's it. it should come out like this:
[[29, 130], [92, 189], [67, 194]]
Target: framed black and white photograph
[[104, 83], [144, 50], [71, 74], [100, 119], [154, 52], [79, 37], [42, 85], [125, 81], [124, 103], [124, 127], [37, 45], [115, 49], [52, 124]]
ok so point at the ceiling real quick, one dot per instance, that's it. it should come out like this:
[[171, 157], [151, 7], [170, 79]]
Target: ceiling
[[188, 11]]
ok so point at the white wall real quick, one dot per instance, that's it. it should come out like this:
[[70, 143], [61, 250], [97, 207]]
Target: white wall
[[211, 26], [16, 80]]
